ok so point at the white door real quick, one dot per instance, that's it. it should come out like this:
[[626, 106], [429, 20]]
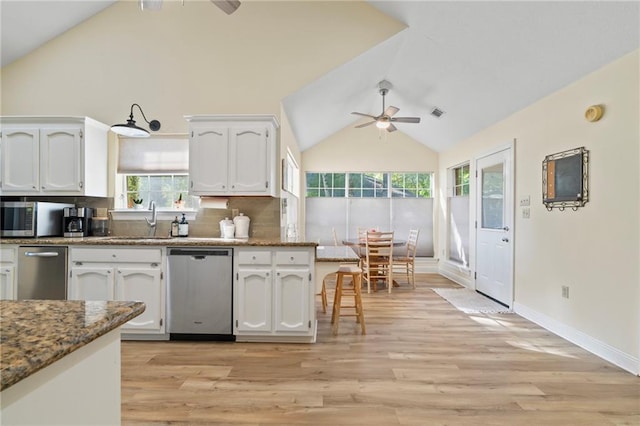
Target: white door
[[291, 305], [494, 226], [209, 160], [21, 161], [141, 284], [8, 290], [248, 157], [61, 160], [91, 283], [253, 300]]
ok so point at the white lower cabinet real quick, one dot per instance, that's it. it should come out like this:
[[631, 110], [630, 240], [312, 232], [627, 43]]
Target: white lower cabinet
[[8, 283], [273, 294], [121, 274]]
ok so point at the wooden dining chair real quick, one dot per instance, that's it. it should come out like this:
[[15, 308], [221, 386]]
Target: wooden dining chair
[[407, 260], [378, 257]]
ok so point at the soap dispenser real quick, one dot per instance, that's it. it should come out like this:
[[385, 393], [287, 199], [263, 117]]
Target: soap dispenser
[[183, 227]]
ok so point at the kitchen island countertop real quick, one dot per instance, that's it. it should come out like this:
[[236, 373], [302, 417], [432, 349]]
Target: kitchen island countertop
[[37, 333]]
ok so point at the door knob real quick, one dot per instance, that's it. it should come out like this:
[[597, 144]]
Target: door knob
[[506, 228], [506, 240]]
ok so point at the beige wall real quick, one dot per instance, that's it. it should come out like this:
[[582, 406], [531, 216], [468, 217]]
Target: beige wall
[[594, 250], [191, 59]]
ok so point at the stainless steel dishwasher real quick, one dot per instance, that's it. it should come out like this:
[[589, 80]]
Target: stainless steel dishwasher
[[200, 293], [42, 272]]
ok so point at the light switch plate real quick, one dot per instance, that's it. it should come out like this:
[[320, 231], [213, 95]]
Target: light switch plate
[[525, 201], [526, 213]]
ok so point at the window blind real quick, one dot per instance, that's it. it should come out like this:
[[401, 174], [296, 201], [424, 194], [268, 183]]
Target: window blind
[[153, 155]]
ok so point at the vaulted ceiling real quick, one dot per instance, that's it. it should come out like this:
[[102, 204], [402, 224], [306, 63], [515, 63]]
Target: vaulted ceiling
[[479, 62]]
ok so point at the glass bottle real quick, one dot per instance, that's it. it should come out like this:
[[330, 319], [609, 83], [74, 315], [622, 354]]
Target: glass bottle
[[174, 227], [183, 227]]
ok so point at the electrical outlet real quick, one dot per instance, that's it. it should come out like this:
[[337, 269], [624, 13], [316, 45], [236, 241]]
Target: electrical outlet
[[565, 291], [526, 213], [234, 212], [525, 201]]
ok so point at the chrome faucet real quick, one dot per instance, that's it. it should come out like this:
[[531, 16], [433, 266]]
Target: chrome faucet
[[153, 221]]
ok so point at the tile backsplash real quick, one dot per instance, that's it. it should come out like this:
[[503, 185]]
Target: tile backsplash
[[264, 213]]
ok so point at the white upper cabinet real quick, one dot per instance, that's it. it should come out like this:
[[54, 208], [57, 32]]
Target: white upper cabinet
[[53, 156], [233, 155]]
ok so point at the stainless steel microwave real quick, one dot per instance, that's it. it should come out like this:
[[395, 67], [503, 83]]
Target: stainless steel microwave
[[31, 218]]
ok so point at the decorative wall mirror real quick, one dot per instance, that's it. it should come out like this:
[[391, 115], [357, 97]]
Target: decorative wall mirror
[[565, 178]]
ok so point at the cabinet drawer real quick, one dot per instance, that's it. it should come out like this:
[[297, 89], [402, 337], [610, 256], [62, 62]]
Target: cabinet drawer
[[117, 255], [254, 258], [292, 258], [7, 254]]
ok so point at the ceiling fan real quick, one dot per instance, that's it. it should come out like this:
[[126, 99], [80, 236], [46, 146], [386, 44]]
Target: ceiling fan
[[386, 119], [227, 6]]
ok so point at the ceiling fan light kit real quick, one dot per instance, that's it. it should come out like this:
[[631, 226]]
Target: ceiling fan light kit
[[386, 119]]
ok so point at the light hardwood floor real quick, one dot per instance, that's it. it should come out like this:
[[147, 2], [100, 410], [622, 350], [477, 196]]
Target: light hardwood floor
[[422, 362]]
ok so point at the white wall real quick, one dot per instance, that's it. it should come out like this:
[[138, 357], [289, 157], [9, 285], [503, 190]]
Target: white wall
[[594, 250]]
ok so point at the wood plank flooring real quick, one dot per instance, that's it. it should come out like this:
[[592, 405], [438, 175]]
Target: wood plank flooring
[[422, 362]]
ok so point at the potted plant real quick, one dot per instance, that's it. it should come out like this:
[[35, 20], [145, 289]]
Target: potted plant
[[137, 203]]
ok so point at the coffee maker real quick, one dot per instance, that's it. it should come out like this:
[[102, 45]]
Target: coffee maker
[[77, 221]]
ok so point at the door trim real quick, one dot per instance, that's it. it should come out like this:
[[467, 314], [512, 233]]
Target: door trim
[[511, 146]]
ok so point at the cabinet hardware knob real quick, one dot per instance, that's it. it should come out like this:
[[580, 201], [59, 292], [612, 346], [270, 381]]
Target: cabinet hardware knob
[[506, 240]]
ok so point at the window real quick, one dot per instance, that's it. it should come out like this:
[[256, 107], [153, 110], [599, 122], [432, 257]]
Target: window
[[461, 181], [458, 225], [325, 184], [369, 185], [165, 190], [344, 202], [154, 169]]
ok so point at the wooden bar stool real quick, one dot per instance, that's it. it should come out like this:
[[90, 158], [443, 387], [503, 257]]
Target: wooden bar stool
[[351, 289]]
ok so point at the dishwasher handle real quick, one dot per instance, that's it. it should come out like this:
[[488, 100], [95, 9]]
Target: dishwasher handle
[[41, 254], [199, 254]]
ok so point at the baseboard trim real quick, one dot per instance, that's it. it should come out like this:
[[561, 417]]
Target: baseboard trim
[[426, 265], [456, 273], [595, 346]]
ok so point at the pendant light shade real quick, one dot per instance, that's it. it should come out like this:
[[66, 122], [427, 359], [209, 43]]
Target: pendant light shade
[[131, 130]]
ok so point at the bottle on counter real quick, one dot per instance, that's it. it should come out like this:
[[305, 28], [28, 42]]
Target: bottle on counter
[[174, 227], [183, 227], [241, 223], [225, 222]]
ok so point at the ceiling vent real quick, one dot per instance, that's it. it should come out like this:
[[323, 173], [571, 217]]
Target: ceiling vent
[[436, 112]]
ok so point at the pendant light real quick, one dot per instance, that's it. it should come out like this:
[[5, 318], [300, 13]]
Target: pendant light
[[131, 130]]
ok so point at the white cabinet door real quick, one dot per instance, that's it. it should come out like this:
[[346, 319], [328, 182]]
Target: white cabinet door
[[291, 304], [208, 160], [8, 289], [91, 283], [253, 296], [142, 284], [249, 160], [20, 160], [61, 160]]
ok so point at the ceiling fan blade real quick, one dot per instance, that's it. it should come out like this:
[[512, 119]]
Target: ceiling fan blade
[[406, 119], [365, 124], [365, 115], [227, 6], [391, 128], [390, 111]]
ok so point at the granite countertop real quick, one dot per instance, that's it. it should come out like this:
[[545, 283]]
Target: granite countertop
[[157, 241], [36, 333], [336, 254]]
